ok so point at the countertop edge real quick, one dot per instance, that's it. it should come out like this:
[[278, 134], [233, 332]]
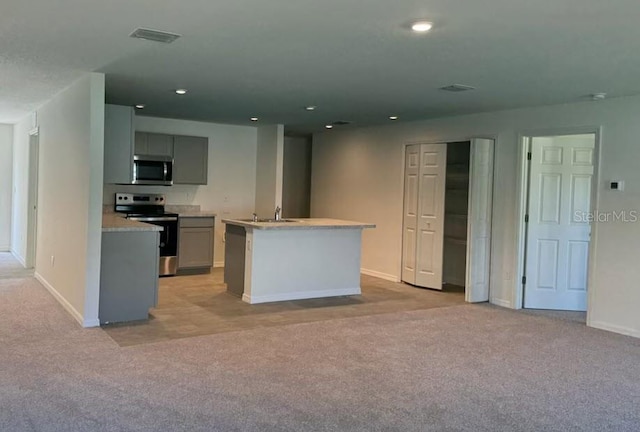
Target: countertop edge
[[301, 224], [115, 223], [198, 215]]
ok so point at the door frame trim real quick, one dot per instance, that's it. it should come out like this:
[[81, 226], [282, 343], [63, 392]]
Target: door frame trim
[[32, 199], [445, 140], [521, 206]]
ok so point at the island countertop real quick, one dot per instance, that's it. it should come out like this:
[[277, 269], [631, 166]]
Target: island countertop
[[116, 222], [295, 223]]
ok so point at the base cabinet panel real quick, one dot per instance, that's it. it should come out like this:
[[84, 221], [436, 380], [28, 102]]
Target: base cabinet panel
[[195, 246], [128, 275]]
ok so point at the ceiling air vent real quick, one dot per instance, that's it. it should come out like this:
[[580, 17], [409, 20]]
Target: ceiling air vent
[[341, 123], [457, 88], [154, 35]]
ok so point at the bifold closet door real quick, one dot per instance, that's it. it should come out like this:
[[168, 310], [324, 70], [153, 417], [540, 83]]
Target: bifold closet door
[[425, 171], [479, 228], [410, 213]]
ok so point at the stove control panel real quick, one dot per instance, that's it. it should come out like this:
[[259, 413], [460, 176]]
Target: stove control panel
[[139, 199]]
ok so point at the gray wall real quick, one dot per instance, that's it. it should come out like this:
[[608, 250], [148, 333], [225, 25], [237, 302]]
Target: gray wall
[[6, 182], [296, 186], [358, 174]]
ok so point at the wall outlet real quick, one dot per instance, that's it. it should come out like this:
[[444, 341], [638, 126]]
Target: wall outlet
[[616, 185], [53, 260]]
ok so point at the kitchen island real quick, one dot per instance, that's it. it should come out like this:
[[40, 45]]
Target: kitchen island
[[269, 261]]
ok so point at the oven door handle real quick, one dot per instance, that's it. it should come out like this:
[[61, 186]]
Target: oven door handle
[[154, 219]]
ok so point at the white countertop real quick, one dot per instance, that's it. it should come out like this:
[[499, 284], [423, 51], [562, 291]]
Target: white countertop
[[115, 222], [311, 223]]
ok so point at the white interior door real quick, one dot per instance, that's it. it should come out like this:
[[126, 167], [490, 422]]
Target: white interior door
[[430, 223], [410, 213], [558, 231], [479, 220]]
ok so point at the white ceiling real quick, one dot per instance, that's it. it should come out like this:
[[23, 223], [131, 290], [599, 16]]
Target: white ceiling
[[354, 59]]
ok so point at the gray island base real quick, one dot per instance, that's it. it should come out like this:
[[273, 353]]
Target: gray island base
[[292, 260]]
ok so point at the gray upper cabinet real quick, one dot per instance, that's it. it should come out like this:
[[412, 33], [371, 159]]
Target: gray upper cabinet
[[118, 140], [122, 142], [155, 144], [190, 160]]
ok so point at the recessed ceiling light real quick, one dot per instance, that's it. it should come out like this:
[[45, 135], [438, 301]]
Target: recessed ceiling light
[[421, 26], [310, 108], [598, 96], [140, 106], [329, 126], [181, 91], [393, 117], [254, 118]]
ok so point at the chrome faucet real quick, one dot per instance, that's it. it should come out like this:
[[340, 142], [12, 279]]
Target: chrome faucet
[[277, 215]]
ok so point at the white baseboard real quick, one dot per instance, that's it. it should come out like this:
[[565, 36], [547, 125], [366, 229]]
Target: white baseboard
[[17, 256], [380, 275], [218, 264], [65, 304], [91, 323], [5, 248], [501, 302], [614, 328], [301, 295]]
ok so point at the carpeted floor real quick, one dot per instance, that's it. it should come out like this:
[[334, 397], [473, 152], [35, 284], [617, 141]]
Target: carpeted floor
[[10, 268], [458, 368]]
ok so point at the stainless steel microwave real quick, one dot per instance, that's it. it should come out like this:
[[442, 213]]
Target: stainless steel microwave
[[152, 170]]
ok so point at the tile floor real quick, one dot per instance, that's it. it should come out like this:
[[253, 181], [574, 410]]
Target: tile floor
[[199, 305]]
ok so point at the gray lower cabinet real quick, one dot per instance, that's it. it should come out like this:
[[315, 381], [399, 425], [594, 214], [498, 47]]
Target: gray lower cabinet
[[190, 160], [128, 275], [234, 259], [195, 243], [147, 143]]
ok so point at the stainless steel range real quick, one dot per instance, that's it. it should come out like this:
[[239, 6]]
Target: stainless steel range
[[149, 208]]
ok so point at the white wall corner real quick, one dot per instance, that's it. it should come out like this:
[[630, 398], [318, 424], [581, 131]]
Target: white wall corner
[[56, 295], [279, 164], [17, 256], [94, 211]]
